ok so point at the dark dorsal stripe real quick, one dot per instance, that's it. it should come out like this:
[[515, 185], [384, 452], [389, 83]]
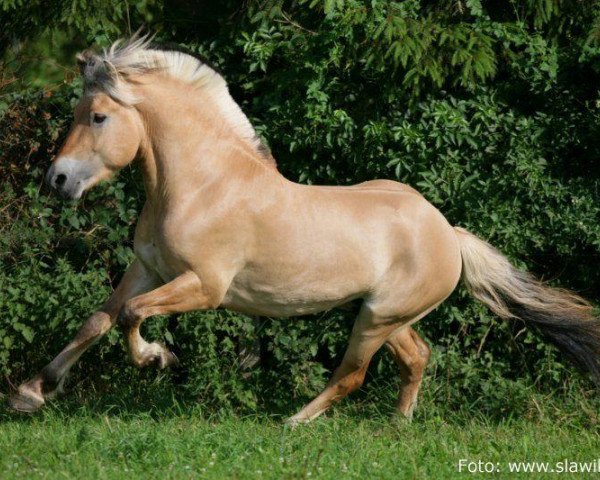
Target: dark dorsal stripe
[[175, 47]]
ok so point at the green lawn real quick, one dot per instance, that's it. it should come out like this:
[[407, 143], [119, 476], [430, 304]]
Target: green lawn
[[82, 442]]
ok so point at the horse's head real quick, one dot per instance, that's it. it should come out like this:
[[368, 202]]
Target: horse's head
[[105, 137], [114, 120], [107, 130]]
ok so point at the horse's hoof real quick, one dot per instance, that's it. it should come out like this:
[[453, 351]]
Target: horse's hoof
[[405, 412], [26, 400], [294, 422], [167, 359], [154, 355]]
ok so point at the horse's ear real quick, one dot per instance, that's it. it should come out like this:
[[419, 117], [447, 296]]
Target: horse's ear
[[83, 59]]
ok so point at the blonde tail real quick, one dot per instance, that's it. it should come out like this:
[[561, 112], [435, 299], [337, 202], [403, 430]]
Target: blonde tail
[[564, 318]]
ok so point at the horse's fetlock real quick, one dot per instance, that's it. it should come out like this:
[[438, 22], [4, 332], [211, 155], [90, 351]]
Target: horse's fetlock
[[51, 379], [138, 362]]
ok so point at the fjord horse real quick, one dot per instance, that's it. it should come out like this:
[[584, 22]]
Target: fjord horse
[[221, 227]]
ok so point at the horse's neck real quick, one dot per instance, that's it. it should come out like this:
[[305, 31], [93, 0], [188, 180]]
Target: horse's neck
[[192, 140], [177, 168]]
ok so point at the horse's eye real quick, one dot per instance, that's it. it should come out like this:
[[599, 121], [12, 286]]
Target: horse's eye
[[98, 118]]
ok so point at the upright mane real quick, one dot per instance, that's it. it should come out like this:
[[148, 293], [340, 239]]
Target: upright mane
[[112, 70]]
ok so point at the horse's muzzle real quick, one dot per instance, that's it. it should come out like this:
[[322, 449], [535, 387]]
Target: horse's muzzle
[[65, 181]]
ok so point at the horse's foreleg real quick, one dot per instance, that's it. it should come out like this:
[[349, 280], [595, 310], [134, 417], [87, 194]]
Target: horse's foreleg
[[31, 395], [185, 293], [411, 354], [368, 335]]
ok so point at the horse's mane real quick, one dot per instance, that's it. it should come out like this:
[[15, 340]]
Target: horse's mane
[[112, 70]]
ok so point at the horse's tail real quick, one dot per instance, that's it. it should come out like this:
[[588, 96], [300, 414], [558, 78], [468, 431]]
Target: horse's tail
[[563, 317]]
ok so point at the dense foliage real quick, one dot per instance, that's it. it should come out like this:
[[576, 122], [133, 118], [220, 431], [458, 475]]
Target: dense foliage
[[490, 109]]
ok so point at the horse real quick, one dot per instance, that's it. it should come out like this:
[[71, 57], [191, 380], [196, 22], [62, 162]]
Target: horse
[[223, 228]]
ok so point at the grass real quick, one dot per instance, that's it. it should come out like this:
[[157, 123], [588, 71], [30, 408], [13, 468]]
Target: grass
[[69, 440]]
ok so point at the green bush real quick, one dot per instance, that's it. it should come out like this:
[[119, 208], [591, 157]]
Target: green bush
[[491, 114]]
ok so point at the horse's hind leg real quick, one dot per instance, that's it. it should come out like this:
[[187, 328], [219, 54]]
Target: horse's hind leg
[[411, 354], [368, 335]]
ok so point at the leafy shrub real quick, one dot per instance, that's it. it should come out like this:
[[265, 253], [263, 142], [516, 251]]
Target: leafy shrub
[[491, 116]]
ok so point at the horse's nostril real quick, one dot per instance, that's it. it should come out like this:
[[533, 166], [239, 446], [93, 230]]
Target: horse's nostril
[[60, 179]]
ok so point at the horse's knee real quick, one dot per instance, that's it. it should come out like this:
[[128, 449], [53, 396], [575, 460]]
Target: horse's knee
[[137, 361], [94, 327], [128, 316]]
